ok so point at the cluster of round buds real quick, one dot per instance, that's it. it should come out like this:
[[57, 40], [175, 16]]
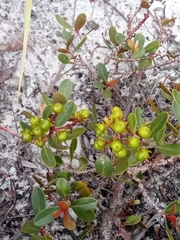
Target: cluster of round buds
[[81, 115], [40, 128], [123, 140]]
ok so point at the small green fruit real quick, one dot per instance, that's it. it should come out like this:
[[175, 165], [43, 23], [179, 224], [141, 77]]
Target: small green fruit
[[40, 143], [119, 127], [100, 127], [122, 153], [62, 136], [37, 131], [26, 136], [134, 142], [116, 146], [117, 113], [34, 120], [57, 108], [142, 154], [45, 124], [99, 144], [85, 113], [144, 131]]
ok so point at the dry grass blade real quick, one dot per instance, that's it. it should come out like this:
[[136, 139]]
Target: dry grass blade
[[27, 18]]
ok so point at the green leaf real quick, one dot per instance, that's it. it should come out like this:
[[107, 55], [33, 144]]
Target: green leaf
[[98, 85], [54, 143], [65, 88], [140, 120], [73, 147], [176, 96], [152, 47], [46, 99], [38, 200], [66, 35], [59, 160], [170, 149], [107, 93], [76, 132], [47, 111], [48, 157], [104, 166], [30, 228], [170, 207], [132, 160], [94, 113], [69, 41], [145, 63], [112, 35], [45, 216], [63, 22], [165, 89], [176, 110], [25, 126], [158, 123], [132, 220], [63, 58], [140, 38], [167, 96], [168, 231], [167, 21], [132, 122], [27, 114], [87, 216], [107, 42], [83, 162], [121, 166], [59, 98], [160, 136], [84, 204], [64, 174], [119, 37], [80, 44], [138, 53], [102, 72], [80, 21], [63, 187], [92, 126], [62, 118]]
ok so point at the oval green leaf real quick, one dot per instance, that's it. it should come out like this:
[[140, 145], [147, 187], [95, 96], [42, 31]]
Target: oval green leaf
[[72, 149], [62, 118], [152, 47], [132, 220], [25, 126], [112, 35], [80, 44], [140, 38], [159, 123], [170, 149], [30, 228], [63, 22], [169, 209], [48, 157], [80, 21], [63, 187], [45, 216], [65, 88], [76, 132], [106, 93], [98, 85], [38, 200], [87, 216], [46, 99], [119, 37], [132, 122], [63, 58], [102, 72], [69, 41], [47, 111], [104, 166], [140, 120], [84, 204], [59, 98], [83, 162], [121, 166], [54, 143], [138, 53]]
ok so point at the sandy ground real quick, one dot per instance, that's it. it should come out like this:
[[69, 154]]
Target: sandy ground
[[43, 73]]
